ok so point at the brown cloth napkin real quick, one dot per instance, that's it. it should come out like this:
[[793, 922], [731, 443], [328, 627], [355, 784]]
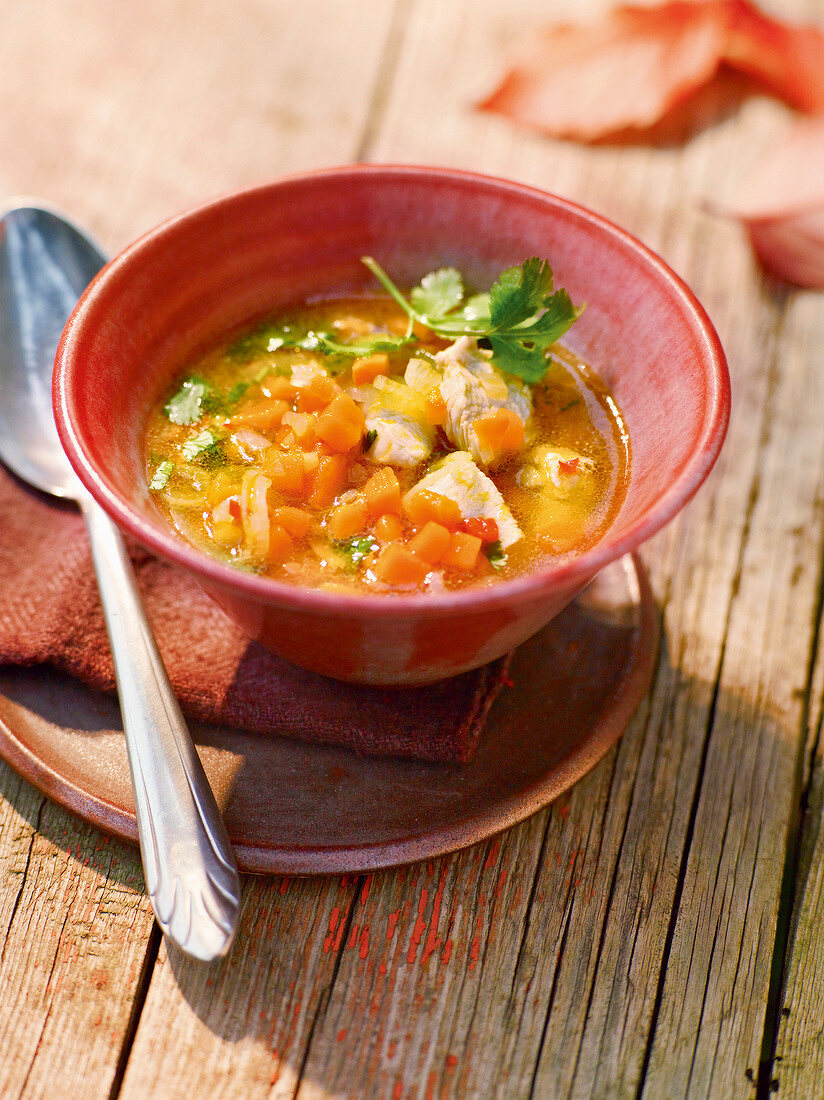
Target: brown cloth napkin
[[50, 612]]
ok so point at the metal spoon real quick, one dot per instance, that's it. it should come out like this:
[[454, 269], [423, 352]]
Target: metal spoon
[[191, 874]]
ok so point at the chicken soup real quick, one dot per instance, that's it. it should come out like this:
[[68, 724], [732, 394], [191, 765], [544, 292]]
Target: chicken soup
[[394, 443]]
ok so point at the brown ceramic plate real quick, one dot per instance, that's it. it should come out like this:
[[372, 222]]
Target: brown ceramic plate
[[296, 808]]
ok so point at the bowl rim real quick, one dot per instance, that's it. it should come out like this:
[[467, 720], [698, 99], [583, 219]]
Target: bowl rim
[[577, 570]]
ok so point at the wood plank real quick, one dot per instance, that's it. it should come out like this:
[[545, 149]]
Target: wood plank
[[126, 114], [799, 1062], [647, 195], [240, 1027], [557, 933], [75, 924]]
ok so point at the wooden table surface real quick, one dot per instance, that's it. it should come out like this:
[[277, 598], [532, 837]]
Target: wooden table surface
[[651, 934]]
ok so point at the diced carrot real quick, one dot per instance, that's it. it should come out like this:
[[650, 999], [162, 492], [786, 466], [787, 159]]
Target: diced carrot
[[263, 414], [319, 392], [431, 542], [294, 520], [223, 484], [328, 480], [278, 386], [286, 470], [341, 424], [499, 430], [348, 519], [383, 493], [388, 528], [367, 369], [485, 529], [462, 552], [424, 505], [435, 408], [398, 566], [280, 543]]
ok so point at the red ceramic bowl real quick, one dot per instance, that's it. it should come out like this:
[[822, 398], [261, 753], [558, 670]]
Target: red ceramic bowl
[[186, 283]]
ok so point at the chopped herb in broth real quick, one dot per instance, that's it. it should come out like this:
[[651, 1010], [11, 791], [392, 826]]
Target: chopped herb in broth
[[395, 443]]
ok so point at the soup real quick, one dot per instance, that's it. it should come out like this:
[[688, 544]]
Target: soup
[[373, 445]]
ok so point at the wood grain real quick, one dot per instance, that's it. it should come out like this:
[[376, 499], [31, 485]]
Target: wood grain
[[75, 926], [628, 941]]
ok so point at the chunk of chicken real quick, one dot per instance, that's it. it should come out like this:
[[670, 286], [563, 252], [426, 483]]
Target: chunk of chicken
[[558, 469], [458, 478], [472, 387], [400, 440]]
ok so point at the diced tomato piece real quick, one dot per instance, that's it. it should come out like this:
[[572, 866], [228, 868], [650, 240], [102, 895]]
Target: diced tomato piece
[[462, 552], [484, 529], [383, 493], [341, 424], [400, 567], [431, 542]]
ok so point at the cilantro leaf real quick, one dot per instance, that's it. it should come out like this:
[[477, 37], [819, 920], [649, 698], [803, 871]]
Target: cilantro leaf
[[357, 548], [527, 361], [520, 293], [194, 398], [521, 317], [237, 391], [439, 292], [160, 478], [496, 555], [325, 342], [204, 448]]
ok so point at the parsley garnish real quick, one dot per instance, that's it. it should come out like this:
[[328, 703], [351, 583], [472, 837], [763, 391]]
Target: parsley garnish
[[160, 478], [369, 437], [496, 554], [194, 398]]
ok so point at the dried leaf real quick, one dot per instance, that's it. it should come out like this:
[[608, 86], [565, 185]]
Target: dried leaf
[[629, 69], [781, 203]]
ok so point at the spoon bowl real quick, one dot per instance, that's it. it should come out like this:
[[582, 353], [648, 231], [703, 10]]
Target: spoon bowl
[[191, 874], [46, 262]]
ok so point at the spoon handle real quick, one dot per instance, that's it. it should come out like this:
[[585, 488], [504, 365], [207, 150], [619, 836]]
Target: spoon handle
[[189, 865]]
